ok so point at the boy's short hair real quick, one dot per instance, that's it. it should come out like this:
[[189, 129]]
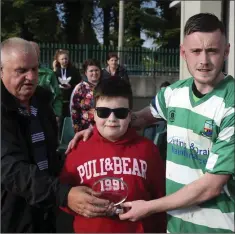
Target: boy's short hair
[[114, 87], [203, 22]]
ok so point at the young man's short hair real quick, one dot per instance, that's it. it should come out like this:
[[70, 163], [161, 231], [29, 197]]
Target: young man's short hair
[[203, 22], [114, 87]]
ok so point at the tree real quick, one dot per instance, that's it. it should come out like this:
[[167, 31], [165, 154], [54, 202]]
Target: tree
[[77, 20], [137, 19], [24, 18], [170, 34]]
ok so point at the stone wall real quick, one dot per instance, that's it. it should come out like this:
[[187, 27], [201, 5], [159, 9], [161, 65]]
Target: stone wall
[[148, 86]]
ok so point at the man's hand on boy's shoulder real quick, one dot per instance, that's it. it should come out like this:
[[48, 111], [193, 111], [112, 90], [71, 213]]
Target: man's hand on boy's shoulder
[[84, 135]]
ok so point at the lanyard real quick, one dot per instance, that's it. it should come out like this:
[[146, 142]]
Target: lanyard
[[63, 74]]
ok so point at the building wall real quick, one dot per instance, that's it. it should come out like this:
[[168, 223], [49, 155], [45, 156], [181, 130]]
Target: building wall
[[148, 86], [230, 11]]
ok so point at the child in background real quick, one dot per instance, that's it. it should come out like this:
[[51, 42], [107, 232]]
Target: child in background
[[116, 150]]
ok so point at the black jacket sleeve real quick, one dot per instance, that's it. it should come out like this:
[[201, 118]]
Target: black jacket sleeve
[[24, 179]]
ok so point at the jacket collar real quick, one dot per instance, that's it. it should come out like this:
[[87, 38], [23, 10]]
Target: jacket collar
[[119, 69], [11, 103], [8, 100]]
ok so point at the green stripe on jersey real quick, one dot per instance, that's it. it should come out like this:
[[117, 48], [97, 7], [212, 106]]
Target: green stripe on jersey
[[222, 201], [176, 225]]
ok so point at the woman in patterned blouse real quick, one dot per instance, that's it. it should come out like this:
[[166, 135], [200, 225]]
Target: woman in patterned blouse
[[81, 102]]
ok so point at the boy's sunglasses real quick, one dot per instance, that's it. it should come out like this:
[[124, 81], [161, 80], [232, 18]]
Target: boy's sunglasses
[[104, 112]]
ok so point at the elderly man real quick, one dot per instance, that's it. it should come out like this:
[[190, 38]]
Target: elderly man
[[29, 164]]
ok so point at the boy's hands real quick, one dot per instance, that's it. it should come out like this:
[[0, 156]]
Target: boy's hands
[[81, 201], [85, 134]]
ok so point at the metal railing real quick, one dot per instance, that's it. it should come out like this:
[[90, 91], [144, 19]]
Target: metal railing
[[138, 61]]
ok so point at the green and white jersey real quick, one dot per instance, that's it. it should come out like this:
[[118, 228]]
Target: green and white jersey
[[200, 139]]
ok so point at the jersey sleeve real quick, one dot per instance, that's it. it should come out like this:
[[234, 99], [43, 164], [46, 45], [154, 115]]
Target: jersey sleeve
[[158, 105], [221, 158]]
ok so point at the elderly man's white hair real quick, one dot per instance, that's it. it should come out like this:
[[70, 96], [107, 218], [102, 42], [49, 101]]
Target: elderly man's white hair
[[13, 45]]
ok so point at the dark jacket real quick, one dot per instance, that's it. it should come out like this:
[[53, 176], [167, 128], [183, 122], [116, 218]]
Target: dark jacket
[[121, 72], [28, 195], [75, 79]]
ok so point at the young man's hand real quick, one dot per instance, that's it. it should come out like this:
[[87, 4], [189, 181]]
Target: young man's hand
[[84, 134], [135, 210], [81, 201]]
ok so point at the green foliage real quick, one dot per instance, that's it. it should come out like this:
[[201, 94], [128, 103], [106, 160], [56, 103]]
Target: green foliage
[[170, 34], [77, 19], [137, 19], [38, 21], [31, 20]]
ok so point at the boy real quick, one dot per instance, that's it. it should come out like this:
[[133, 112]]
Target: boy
[[115, 150]]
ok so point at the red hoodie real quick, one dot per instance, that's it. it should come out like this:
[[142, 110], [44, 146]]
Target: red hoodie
[[133, 158]]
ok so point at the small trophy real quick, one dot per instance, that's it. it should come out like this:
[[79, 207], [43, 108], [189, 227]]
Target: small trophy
[[113, 189]]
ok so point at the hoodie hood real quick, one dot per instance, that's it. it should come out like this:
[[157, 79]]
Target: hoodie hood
[[130, 136]]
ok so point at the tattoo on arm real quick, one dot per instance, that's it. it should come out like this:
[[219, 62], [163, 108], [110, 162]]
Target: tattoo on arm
[[133, 117]]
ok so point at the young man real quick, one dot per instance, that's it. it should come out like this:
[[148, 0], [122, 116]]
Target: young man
[[115, 150], [200, 135]]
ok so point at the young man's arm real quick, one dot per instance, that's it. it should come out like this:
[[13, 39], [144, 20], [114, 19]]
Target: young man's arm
[[84, 135], [142, 118], [219, 168], [206, 188]]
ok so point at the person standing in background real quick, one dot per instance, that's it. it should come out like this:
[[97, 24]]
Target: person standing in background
[[114, 69], [68, 77], [82, 103]]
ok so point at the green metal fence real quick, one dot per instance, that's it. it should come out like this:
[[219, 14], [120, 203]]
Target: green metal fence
[[138, 61]]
